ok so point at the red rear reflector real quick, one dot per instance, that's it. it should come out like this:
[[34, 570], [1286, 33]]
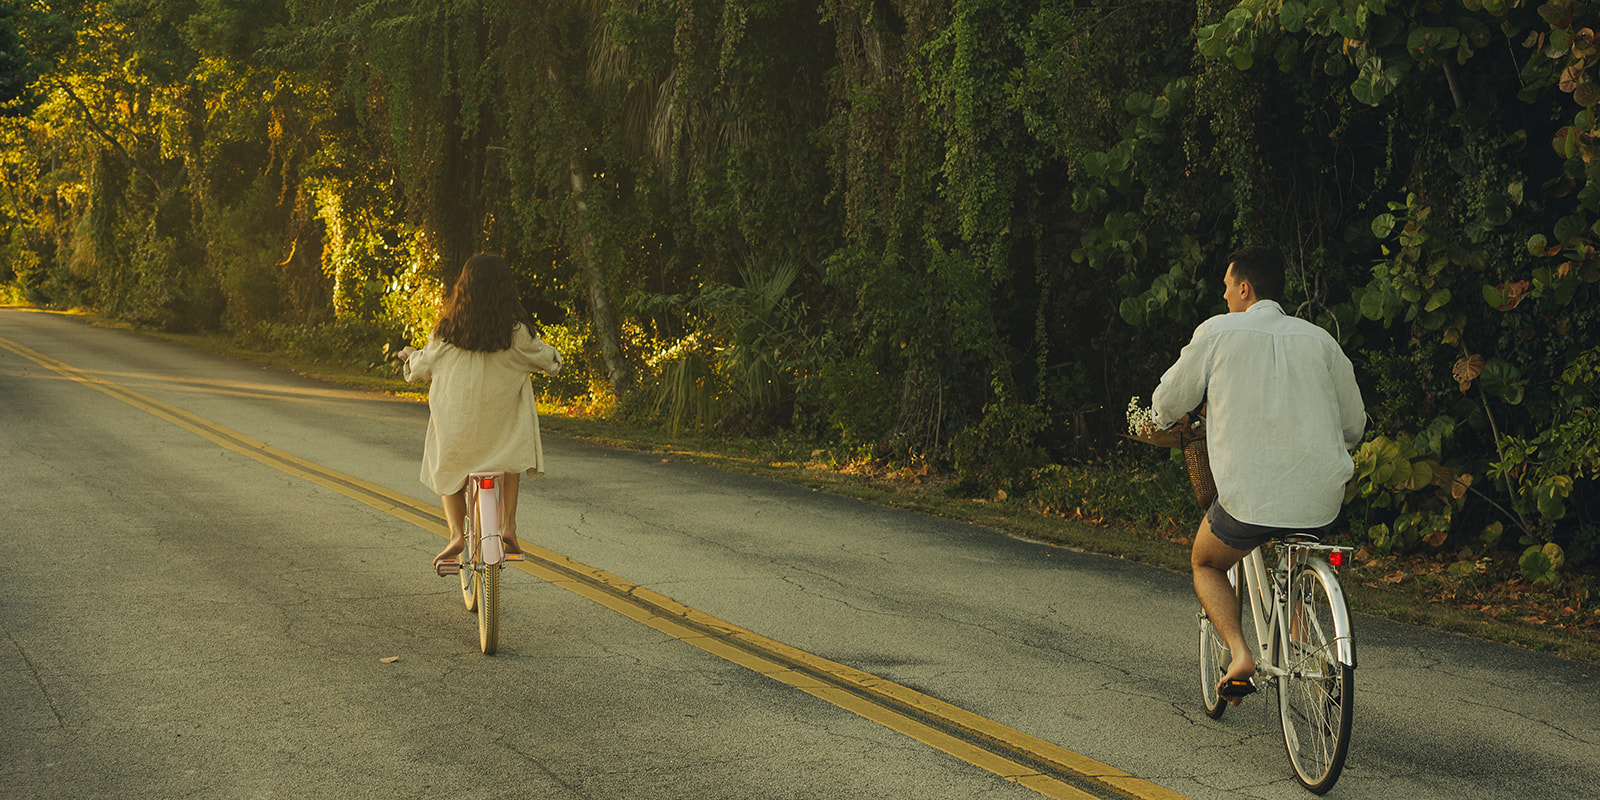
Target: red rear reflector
[[488, 483], [1336, 558]]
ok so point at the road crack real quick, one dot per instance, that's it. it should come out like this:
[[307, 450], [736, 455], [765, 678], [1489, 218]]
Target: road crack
[[38, 680]]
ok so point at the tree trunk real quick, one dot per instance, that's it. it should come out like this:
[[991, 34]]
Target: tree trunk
[[456, 200], [618, 371]]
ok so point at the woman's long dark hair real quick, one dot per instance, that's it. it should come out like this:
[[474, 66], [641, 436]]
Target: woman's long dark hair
[[482, 308]]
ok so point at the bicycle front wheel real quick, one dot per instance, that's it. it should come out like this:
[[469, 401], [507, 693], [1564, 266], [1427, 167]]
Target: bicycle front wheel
[[1316, 691], [1214, 658], [489, 609]]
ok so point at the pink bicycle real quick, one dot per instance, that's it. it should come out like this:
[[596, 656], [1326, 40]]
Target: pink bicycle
[[483, 555]]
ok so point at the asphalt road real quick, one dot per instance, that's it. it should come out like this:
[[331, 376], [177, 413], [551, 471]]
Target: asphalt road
[[216, 585]]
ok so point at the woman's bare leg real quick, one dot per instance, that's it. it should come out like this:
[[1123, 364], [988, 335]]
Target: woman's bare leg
[[455, 515], [508, 508]]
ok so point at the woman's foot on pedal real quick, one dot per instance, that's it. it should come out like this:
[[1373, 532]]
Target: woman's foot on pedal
[[445, 563]]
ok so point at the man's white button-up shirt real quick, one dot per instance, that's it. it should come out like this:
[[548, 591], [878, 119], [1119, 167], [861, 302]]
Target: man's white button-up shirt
[[1282, 413]]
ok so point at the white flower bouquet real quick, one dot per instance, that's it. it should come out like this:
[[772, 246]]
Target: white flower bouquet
[[1141, 420], [1142, 427], [1189, 438]]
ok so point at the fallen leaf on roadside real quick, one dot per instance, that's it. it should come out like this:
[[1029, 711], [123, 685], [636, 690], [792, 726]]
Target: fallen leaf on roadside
[[390, 659]]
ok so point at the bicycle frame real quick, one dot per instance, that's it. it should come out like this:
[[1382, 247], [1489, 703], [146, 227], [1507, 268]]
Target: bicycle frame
[[1272, 630]]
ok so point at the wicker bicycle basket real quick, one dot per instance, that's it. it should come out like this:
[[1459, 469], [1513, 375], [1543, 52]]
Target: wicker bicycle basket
[[1198, 458], [1195, 455]]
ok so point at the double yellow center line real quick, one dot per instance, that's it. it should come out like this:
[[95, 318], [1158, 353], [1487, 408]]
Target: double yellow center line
[[1046, 768]]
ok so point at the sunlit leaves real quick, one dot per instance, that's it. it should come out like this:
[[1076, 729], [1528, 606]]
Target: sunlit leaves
[[1542, 563]]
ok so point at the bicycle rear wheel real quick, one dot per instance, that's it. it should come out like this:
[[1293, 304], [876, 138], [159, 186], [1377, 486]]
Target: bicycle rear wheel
[[1316, 692], [489, 609]]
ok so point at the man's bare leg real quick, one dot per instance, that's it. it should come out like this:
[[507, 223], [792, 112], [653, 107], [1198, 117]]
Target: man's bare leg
[[508, 507], [1211, 559]]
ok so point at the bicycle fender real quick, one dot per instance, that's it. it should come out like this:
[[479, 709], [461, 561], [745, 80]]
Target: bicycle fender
[[1344, 644]]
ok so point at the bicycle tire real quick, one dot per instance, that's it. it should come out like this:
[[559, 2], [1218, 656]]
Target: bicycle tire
[[1214, 657], [489, 609], [469, 554], [1316, 693]]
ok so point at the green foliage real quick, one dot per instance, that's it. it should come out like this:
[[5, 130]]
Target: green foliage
[[1410, 498], [750, 352], [957, 232], [1119, 489], [1543, 471], [766, 342], [689, 394], [364, 340], [860, 399], [1542, 563], [17, 67], [575, 382], [1464, 386]]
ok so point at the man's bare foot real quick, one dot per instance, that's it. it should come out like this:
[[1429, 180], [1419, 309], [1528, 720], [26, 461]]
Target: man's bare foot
[[1238, 671]]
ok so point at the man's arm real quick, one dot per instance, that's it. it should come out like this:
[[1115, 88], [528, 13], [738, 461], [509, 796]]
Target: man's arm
[[1352, 411], [1183, 385]]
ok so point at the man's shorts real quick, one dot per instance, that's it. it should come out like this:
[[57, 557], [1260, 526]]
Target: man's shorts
[[1244, 536]]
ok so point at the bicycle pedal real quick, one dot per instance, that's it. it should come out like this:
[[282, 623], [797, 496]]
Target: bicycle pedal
[[447, 568], [515, 557]]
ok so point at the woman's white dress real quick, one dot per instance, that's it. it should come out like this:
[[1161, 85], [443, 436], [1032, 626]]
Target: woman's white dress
[[482, 412]]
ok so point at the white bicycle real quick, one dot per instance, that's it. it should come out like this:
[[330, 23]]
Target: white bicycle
[[1302, 628], [483, 555]]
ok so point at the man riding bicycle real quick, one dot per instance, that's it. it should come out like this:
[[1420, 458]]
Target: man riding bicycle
[[1283, 413]]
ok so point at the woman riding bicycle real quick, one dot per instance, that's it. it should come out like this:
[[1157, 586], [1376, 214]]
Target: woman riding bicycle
[[482, 411]]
